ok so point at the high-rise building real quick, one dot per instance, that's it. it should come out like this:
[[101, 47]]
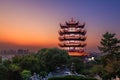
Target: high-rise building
[[72, 38]]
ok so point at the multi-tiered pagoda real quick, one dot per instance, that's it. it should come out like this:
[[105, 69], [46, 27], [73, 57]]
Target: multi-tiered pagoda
[[72, 38]]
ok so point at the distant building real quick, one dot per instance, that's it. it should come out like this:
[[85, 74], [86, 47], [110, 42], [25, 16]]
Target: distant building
[[22, 51], [10, 51], [9, 54], [72, 37]]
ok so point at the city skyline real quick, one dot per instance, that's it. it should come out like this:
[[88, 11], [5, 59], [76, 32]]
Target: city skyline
[[35, 24]]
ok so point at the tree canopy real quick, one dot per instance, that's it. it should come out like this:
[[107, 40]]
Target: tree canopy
[[110, 47], [109, 43]]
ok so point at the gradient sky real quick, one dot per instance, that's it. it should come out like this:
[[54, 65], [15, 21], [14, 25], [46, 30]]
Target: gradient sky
[[34, 24]]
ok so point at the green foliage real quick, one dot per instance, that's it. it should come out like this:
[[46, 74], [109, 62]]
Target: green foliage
[[110, 61], [17, 59], [96, 69], [30, 62], [26, 74], [78, 63], [43, 62], [71, 78], [109, 44], [14, 72], [9, 71], [43, 73], [7, 63], [53, 58], [14, 67], [3, 72]]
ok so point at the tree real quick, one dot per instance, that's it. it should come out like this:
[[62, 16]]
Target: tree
[[14, 72], [30, 62], [26, 74], [7, 63], [40, 54], [110, 46], [17, 59], [43, 74], [53, 58], [78, 64], [109, 43], [3, 72]]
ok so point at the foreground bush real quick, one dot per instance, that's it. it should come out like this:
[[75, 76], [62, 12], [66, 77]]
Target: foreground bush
[[71, 78]]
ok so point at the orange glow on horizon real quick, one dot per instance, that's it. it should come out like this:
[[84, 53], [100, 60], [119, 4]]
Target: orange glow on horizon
[[25, 40]]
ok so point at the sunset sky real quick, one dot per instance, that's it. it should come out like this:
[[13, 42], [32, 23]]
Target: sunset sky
[[34, 24]]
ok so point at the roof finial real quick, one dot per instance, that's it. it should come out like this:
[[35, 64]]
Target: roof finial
[[72, 19]]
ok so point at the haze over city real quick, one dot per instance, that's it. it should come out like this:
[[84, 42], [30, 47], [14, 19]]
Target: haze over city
[[34, 24]]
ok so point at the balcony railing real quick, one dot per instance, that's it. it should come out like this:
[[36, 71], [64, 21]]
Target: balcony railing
[[72, 45], [82, 38], [75, 50], [81, 31]]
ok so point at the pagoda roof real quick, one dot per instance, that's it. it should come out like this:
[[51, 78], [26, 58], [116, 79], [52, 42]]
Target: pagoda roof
[[76, 26], [72, 23], [80, 25], [63, 26]]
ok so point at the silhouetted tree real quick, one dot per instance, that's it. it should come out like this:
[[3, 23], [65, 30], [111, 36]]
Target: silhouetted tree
[[109, 43], [110, 46]]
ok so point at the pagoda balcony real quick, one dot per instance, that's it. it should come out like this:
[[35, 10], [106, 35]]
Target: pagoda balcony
[[62, 38], [75, 50], [73, 30], [73, 42], [72, 45], [81, 31]]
